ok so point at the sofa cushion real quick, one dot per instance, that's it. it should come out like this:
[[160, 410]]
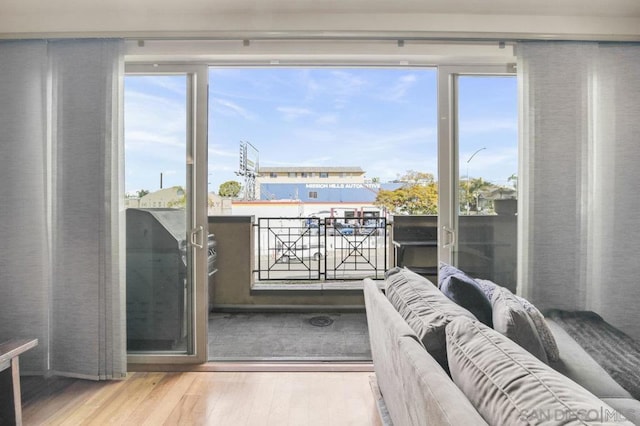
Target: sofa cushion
[[512, 320], [430, 395], [509, 386], [545, 334], [424, 308], [465, 291]]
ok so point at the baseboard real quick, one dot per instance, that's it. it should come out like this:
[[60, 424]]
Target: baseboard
[[305, 367], [287, 308]]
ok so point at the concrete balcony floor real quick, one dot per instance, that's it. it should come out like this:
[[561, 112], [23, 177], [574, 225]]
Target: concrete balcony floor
[[283, 336]]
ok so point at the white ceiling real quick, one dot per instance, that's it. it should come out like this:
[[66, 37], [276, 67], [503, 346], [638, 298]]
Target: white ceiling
[[605, 19], [515, 7], [609, 8]]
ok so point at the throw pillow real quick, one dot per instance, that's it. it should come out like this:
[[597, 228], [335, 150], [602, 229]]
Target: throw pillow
[[466, 292], [544, 332], [511, 319], [488, 287], [508, 386], [445, 271], [392, 271], [424, 308]]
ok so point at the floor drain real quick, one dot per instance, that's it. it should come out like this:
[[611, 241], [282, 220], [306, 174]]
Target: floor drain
[[321, 321]]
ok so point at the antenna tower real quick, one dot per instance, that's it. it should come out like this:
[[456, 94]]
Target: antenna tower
[[248, 168]]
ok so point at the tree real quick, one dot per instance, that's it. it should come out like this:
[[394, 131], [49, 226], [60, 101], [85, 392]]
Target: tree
[[181, 201], [141, 193], [230, 188], [419, 195], [413, 177], [471, 190]]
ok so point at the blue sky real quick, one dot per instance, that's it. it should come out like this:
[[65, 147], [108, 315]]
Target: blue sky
[[382, 120], [155, 132]]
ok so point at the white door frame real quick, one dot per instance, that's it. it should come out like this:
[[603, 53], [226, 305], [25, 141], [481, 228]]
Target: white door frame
[[196, 167], [448, 155]]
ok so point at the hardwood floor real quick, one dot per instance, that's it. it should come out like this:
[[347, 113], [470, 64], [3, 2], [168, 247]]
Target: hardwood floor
[[220, 398]]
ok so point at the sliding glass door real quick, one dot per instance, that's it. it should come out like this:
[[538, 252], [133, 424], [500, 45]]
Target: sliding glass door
[[165, 185], [479, 163]]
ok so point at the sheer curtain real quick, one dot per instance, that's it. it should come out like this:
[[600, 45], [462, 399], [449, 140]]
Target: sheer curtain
[[60, 227], [580, 178]]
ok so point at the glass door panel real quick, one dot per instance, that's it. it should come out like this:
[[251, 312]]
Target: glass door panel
[[158, 259], [487, 146], [165, 185]]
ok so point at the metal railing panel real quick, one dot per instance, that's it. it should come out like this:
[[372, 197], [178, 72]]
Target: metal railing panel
[[313, 249], [356, 251], [289, 249]]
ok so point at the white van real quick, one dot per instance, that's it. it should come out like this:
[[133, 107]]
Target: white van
[[298, 252]]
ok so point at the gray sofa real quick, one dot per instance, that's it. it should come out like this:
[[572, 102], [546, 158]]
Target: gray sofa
[[486, 378]]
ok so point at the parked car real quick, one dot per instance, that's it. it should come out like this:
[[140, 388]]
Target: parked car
[[315, 229], [371, 227], [298, 253], [344, 228]]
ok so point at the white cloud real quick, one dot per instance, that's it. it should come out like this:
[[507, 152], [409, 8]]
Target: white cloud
[[365, 140], [468, 127], [229, 108], [345, 85], [171, 83], [400, 88], [293, 113], [327, 119], [347, 81], [148, 140], [134, 98], [175, 84], [394, 140], [218, 151], [221, 168], [153, 115]]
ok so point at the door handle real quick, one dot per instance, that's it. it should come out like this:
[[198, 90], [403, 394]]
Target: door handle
[[194, 237], [452, 236]]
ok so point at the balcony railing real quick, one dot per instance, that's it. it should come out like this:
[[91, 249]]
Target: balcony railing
[[313, 249]]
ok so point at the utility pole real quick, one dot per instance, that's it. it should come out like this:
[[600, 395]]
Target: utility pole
[[469, 183]]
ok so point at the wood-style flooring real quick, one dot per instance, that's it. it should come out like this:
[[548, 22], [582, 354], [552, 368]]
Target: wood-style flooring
[[203, 398]]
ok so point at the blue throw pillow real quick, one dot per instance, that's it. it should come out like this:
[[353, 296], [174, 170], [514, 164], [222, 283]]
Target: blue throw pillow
[[466, 292]]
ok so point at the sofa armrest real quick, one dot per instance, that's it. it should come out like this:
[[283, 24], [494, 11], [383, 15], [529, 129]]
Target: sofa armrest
[[415, 388]]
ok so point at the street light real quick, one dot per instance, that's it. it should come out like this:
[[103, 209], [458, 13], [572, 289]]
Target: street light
[[469, 183]]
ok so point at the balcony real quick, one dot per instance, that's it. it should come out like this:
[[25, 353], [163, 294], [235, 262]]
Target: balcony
[[277, 274]]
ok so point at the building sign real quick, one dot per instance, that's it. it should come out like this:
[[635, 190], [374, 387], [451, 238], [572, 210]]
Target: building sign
[[343, 185]]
